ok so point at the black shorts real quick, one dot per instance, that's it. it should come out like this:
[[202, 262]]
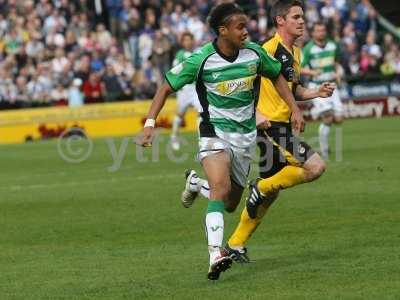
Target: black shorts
[[279, 148]]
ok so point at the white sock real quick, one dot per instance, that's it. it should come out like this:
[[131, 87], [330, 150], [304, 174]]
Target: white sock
[[215, 233], [175, 126], [214, 253], [324, 138]]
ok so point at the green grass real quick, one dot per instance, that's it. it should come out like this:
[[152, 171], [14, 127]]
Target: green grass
[[79, 231]]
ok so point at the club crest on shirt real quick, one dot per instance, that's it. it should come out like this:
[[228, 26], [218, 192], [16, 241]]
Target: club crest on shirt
[[252, 67]]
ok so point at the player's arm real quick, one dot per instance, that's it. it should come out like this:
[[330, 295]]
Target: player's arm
[[158, 103], [307, 71], [271, 68], [176, 78], [286, 94], [325, 90]]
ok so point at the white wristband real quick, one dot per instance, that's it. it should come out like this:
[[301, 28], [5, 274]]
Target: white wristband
[[150, 123]]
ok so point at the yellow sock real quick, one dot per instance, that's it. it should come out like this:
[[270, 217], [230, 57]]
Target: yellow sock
[[285, 178], [246, 227]]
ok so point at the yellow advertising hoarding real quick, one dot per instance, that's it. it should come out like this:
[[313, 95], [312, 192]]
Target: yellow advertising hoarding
[[97, 120]]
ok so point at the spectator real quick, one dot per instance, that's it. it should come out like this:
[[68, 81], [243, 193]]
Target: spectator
[[161, 52], [60, 61], [97, 62], [114, 85], [59, 96], [37, 91], [371, 47], [47, 41], [75, 96], [82, 68], [93, 89], [19, 93], [388, 66], [114, 8], [104, 37]]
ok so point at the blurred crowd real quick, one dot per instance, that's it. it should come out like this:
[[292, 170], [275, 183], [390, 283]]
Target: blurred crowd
[[70, 52]]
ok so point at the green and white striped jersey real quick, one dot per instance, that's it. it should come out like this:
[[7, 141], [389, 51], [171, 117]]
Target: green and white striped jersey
[[225, 89], [321, 58]]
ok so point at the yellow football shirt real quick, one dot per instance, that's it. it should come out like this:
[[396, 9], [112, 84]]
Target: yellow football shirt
[[270, 104]]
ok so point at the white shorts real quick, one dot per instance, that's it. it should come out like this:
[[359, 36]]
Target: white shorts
[[240, 157], [186, 97], [323, 105]]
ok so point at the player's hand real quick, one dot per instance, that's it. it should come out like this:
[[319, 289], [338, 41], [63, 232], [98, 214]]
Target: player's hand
[[261, 121], [297, 120], [326, 89], [264, 125], [147, 137]]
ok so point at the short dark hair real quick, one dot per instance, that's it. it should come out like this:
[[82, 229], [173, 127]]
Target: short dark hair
[[187, 33], [220, 15], [318, 23], [282, 7]]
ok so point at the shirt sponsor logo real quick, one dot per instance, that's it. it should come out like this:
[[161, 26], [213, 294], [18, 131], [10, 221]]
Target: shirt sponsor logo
[[235, 86]]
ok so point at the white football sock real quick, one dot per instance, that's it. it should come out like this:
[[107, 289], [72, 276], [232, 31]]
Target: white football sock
[[324, 139], [175, 126], [215, 233]]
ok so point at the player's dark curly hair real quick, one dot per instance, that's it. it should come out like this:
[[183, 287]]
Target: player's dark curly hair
[[221, 14]]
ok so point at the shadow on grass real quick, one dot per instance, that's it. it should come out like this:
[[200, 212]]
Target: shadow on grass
[[268, 265]]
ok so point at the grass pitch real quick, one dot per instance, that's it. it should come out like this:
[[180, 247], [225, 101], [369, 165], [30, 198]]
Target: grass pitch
[[112, 227]]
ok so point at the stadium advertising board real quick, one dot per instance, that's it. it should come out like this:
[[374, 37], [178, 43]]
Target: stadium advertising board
[[362, 108], [365, 100], [127, 118], [96, 120]]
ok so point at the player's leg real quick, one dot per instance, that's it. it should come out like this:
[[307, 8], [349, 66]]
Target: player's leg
[[303, 164], [323, 109], [333, 115], [323, 133], [293, 174], [293, 153], [182, 106], [244, 230], [240, 168], [194, 185], [216, 166], [338, 109], [293, 162], [313, 167], [271, 161]]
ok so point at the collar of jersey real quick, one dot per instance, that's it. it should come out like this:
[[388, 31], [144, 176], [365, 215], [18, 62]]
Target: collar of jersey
[[230, 59], [280, 40]]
